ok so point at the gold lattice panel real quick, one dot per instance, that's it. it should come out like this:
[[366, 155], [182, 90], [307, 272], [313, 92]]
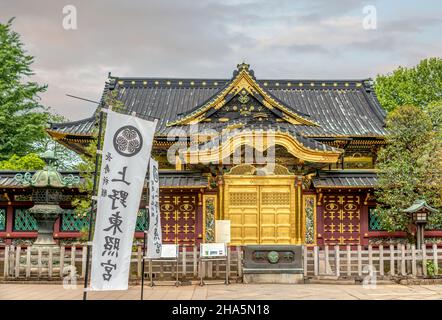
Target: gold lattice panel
[[244, 198], [275, 198]]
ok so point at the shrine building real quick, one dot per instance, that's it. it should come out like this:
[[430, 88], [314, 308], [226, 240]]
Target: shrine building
[[286, 161]]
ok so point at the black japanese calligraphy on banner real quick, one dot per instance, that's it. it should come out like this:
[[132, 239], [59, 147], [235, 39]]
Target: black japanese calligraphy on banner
[[126, 151], [154, 233]]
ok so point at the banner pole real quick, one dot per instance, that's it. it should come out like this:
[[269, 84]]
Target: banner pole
[[145, 231], [94, 205]]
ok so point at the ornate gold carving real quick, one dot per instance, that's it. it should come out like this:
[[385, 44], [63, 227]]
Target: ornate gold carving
[[242, 82], [231, 144], [243, 199], [243, 169], [275, 198]]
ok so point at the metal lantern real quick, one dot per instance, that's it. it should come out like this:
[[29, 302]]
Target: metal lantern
[[419, 211], [47, 186]]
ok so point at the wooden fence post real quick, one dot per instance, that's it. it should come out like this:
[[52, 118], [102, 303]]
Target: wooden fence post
[[436, 267], [315, 261], [413, 260], [424, 259], [348, 260], [359, 260], [50, 262], [326, 256], [6, 262], [73, 254], [39, 261], [228, 263], [403, 271], [195, 261], [184, 261], [139, 262], [305, 260], [337, 261], [381, 260], [239, 253], [83, 261], [392, 264], [370, 256], [17, 261], [62, 261], [28, 262]]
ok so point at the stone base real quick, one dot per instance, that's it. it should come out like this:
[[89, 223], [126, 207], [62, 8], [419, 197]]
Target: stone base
[[280, 278]]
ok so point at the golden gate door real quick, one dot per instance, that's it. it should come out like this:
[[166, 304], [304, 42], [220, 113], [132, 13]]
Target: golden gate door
[[261, 210], [243, 212], [274, 214]]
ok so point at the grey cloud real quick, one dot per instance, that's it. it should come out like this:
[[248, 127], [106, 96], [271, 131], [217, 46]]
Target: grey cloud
[[183, 38]]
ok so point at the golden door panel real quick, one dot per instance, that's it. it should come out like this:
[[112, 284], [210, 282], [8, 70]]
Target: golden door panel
[[275, 214], [243, 213], [259, 214], [342, 219]]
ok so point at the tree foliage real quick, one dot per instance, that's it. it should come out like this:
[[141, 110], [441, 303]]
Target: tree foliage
[[31, 161], [409, 166], [22, 117], [418, 86], [86, 167]]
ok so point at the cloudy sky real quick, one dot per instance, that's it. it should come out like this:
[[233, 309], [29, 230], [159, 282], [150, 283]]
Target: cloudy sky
[[179, 38]]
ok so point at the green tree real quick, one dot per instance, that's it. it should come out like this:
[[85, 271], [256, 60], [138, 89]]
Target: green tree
[[86, 166], [409, 167], [419, 85], [31, 161], [22, 117]]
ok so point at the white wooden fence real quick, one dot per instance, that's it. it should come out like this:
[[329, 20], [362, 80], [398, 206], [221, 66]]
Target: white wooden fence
[[25, 262], [393, 260]]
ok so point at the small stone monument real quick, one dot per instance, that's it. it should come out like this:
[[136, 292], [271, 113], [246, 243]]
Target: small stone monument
[[273, 264]]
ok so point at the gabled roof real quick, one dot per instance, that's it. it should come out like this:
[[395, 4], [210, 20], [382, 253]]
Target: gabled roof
[[243, 81], [419, 205], [340, 108]]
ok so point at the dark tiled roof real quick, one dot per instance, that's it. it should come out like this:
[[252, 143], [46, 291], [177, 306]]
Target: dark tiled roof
[[174, 178], [341, 107], [347, 178], [80, 127], [168, 178]]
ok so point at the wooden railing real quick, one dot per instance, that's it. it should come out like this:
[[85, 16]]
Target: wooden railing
[[393, 260], [26, 262]]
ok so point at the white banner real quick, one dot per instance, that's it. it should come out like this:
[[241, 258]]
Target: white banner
[[126, 152], [154, 234]]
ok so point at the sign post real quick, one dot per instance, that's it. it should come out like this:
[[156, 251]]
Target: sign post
[[213, 252]]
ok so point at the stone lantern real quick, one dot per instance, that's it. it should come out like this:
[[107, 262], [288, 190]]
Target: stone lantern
[[419, 211], [47, 186]]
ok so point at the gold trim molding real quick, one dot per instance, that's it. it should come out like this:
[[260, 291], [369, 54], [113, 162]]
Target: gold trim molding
[[261, 144]]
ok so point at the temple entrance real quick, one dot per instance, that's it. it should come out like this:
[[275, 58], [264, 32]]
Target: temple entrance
[[261, 209]]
